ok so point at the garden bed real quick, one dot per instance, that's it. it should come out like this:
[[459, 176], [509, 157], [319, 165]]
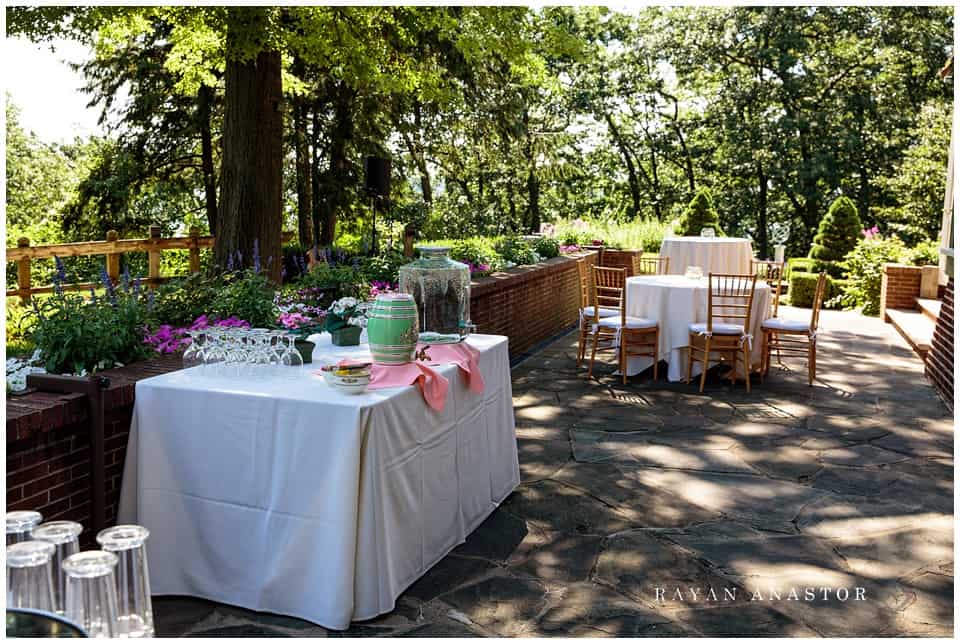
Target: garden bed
[[48, 442]]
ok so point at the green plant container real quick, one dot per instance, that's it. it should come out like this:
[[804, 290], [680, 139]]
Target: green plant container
[[305, 348], [348, 336], [393, 329]]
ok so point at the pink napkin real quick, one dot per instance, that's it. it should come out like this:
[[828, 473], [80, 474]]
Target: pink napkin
[[432, 385], [464, 356]]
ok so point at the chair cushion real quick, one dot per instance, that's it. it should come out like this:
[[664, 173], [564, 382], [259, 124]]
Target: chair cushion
[[781, 324], [632, 323], [718, 328], [587, 312]]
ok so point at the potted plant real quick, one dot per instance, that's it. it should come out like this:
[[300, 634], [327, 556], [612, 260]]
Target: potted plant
[[345, 320], [303, 320]]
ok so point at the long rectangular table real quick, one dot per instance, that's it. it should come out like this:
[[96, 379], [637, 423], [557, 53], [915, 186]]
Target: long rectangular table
[[284, 495]]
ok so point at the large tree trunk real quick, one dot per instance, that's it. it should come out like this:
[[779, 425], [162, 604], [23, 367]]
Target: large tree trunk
[[252, 170], [317, 206], [204, 101], [304, 178], [628, 160], [338, 180]]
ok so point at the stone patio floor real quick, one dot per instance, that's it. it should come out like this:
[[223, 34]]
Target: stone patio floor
[[635, 497]]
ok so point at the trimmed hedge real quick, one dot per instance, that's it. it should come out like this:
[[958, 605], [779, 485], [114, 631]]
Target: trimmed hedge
[[803, 285]]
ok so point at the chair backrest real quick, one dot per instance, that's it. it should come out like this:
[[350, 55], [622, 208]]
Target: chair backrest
[[772, 274], [651, 265], [584, 280], [731, 299], [609, 289], [818, 296]]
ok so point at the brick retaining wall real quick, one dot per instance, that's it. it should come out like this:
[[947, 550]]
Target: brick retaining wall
[[48, 446], [48, 441], [899, 288], [938, 365]]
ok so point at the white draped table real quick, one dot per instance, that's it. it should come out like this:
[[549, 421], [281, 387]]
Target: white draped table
[[676, 302], [712, 254], [284, 495]]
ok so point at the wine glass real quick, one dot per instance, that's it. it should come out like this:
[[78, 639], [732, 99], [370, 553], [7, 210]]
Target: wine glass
[[193, 356], [290, 356], [214, 354]]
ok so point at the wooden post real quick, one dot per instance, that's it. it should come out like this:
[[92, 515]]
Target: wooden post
[[113, 259], [153, 257], [928, 282], [194, 249], [409, 234], [23, 272]]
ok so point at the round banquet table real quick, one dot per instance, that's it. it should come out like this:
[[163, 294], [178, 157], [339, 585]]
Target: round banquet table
[[712, 254], [676, 302]]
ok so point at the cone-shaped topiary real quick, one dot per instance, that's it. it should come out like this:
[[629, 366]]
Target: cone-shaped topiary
[[700, 214], [838, 233]]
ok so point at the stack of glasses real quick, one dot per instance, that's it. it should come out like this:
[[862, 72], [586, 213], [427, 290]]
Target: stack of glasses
[[231, 351], [106, 593]]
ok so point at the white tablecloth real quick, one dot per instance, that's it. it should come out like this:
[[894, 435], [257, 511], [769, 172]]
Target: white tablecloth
[[287, 496], [716, 254], [676, 302]]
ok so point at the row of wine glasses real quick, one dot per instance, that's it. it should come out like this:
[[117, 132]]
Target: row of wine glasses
[[104, 592], [242, 352]]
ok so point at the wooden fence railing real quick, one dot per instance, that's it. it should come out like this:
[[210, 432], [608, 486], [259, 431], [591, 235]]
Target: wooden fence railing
[[112, 248]]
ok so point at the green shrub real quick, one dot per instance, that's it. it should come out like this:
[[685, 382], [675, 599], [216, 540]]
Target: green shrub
[[638, 234], [515, 250], [926, 253], [76, 335], [181, 301], [477, 252], [836, 270], [798, 265], [803, 286], [865, 272], [247, 295], [838, 232], [547, 247], [700, 214], [336, 280], [384, 267]]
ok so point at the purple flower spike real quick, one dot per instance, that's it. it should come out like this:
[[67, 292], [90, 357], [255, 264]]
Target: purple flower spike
[[256, 255], [230, 263]]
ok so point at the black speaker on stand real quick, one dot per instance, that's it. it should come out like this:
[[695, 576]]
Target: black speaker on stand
[[377, 184]]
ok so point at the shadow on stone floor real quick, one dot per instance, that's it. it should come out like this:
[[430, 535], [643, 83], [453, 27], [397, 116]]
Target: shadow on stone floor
[[638, 500]]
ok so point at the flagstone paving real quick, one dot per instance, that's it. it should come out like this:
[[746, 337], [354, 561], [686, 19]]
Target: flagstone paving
[[649, 509]]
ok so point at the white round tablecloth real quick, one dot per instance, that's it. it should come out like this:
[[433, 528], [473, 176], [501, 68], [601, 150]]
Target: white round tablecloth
[[676, 302], [712, 254]]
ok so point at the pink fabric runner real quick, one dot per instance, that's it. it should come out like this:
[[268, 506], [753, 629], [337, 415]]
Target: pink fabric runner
[[432, 385], [463, 355]]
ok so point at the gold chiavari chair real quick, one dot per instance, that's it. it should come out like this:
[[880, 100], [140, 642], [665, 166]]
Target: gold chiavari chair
[[587, 313], [629, 336], [727, 329], [794, 337], [772, 274], [651, 265]]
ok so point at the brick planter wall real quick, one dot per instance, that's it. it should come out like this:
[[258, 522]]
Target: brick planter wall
[[938, 365], [528, 304], [899, 287], [48, 436], [620, 259], [48, 447]]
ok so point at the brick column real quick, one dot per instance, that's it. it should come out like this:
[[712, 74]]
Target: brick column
[[899, 288], [938, 366]]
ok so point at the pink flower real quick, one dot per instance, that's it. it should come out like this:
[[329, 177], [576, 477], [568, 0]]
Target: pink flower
[[293, 320]]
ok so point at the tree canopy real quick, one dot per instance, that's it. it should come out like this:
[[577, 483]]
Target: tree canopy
[[500, 118]]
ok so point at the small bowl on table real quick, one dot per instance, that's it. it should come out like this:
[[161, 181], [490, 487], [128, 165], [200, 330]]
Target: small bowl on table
[[348, 381]]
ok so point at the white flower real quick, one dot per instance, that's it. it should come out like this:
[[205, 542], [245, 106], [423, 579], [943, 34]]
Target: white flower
[[348, 302]]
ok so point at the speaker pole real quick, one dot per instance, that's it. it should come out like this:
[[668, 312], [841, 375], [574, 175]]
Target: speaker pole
[[373, 220]]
